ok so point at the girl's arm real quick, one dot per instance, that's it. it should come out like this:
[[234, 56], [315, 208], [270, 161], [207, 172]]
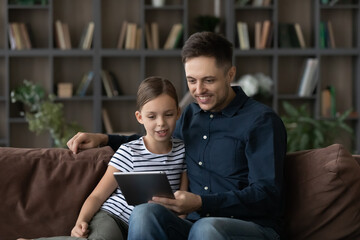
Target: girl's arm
[[184, 185], [92, 204]]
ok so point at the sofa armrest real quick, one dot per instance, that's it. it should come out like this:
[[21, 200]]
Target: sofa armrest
[[42, 190], [357, 158], [323, 192]]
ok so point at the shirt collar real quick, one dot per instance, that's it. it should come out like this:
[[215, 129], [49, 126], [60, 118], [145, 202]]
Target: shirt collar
[[233, 107]]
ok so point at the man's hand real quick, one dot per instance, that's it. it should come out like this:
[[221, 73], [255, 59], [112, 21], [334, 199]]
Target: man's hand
[[184, 202], [86, 140], [80, 230]]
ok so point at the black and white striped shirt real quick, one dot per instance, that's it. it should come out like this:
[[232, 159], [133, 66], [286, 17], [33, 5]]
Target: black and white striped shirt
[[134, 157]]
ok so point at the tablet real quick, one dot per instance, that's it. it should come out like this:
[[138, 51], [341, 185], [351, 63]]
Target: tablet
[[140, 187]]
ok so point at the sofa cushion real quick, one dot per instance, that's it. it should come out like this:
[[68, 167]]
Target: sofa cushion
[[323, 194], [42, 190]]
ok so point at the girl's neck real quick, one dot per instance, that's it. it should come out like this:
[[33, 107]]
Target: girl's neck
[[157, 147]]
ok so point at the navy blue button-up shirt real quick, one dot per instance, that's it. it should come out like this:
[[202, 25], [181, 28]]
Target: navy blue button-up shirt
[[235, 160]]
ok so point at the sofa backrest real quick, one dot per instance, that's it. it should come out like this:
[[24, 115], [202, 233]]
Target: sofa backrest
[[323, 194], [42, 190]]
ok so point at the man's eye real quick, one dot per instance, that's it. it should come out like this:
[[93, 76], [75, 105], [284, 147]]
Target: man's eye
[[191, 81], [209, 80]]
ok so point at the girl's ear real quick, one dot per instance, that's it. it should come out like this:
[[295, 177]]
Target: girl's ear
[[139, 117]]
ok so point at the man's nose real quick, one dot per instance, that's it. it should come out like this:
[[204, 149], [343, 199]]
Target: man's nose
[[199, 88]]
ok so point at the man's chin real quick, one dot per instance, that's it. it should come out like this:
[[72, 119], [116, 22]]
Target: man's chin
[[205, 107]]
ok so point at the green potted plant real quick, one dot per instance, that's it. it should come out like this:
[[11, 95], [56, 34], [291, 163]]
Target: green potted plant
[[43, 114], [306, 132]]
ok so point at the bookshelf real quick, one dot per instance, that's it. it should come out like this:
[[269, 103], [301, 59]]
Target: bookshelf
[[48, 65]]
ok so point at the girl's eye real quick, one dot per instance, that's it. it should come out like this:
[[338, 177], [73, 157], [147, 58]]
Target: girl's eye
[[151, 117], [169, 115]]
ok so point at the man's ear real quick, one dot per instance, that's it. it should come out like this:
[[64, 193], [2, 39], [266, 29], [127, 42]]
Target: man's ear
[[139, 117], [231, 73]]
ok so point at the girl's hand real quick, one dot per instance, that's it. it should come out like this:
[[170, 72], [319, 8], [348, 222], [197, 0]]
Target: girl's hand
[[80, 230]]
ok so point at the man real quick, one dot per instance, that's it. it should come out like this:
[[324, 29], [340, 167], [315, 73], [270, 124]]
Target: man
[[235, 150]]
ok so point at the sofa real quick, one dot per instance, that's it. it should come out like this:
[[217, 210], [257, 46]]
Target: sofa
[[42, 191]]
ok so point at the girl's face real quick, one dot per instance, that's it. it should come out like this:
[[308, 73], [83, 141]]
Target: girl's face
[[159, 117]]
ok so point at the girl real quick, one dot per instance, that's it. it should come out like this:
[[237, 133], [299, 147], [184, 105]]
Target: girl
[[105, 213]]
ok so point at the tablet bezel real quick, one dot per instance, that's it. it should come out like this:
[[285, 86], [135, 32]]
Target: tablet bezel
[[140, 187]]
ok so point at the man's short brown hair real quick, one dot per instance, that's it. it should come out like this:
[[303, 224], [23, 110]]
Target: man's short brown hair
[[209, 44]]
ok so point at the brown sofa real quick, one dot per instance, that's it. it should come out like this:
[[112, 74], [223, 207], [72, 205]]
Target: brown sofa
[[42, 190]]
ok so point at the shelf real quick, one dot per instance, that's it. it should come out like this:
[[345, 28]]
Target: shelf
[[48, 65]]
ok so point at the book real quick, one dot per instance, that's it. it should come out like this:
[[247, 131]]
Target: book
[[59, 36], [326, 103], [138, 38], [17, 33], [122, 34], [106, 83], [82, 37], [67, 38], [269, 37], [130, 41], [333, 101], [170, 42], [257, 36], [265, 30], [84, 84], [300, 35], [12, 39], [88, 36], [309, 78], [294, 39], [290, 35], [246, 35], [25, 36], [155, 35], [107, 123], [243, 35], [148, 37], [330, 35], [114, 84]]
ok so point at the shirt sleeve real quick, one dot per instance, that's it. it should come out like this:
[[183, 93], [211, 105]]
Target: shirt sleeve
[[265, 152], [122, 159], [116, 140]]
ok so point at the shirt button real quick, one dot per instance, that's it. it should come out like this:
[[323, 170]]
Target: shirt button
[[211, 115], [200, 163], [232, 216], [208, 214], [204, 137], [206, 188]]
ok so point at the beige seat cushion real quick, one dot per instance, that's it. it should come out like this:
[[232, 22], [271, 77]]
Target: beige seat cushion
[[42, 190], [323, 194]]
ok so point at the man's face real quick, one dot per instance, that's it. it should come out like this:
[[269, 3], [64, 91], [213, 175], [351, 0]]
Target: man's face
[[208, 84]]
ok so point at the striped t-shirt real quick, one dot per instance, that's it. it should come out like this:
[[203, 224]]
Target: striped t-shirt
[[134, 157]]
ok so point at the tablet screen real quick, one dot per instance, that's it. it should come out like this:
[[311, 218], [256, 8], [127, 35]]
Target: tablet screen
[[140, 187]]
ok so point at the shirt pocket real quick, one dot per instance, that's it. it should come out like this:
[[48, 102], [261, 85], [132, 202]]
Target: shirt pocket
[[226, 156]]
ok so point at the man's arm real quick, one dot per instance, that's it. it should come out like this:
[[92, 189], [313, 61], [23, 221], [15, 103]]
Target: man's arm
[[91, 140]]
